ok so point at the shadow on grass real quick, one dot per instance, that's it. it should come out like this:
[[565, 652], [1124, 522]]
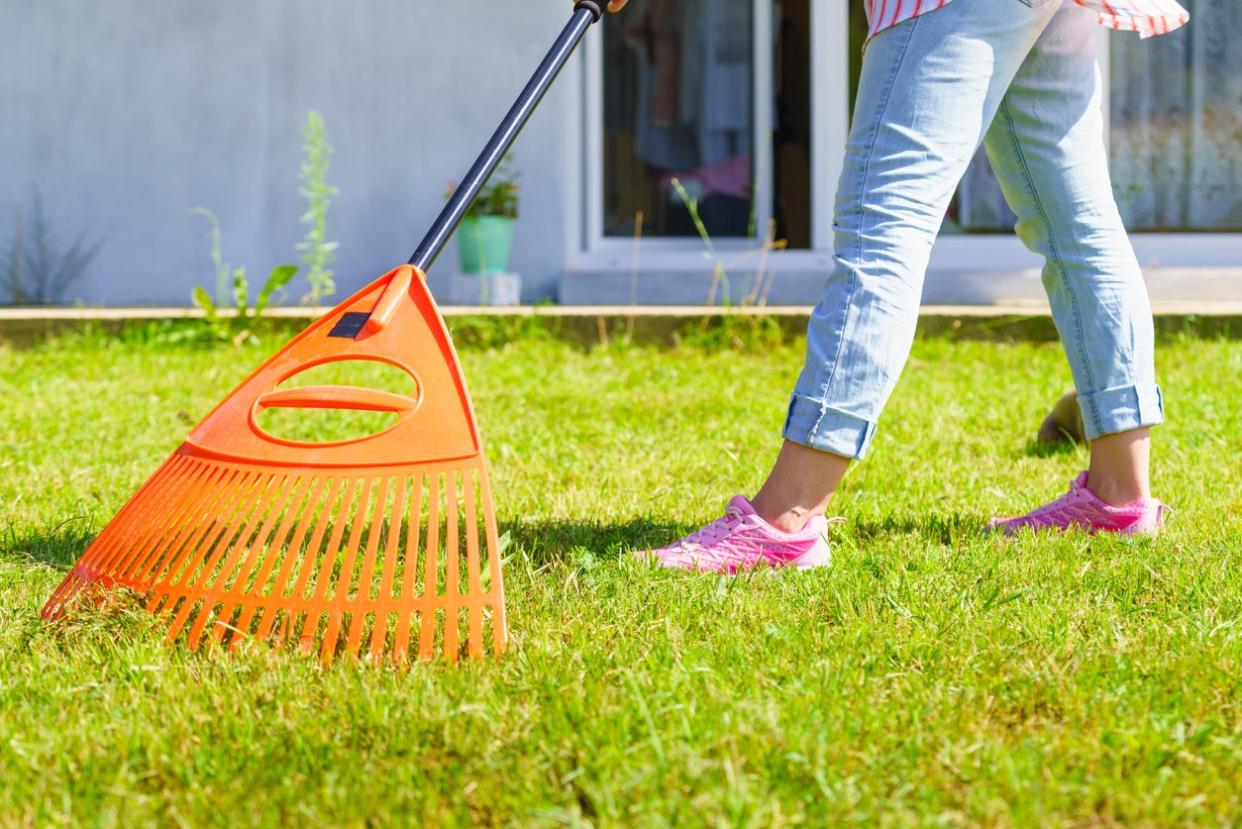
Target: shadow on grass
[[1046, 449], [541, 541], [58, 546], [946, 530], [548, 542], [551, 542]]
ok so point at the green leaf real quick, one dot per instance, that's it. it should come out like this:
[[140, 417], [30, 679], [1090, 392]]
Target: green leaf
[[203, 300], [241, 292], [280, 276], [219, 326]]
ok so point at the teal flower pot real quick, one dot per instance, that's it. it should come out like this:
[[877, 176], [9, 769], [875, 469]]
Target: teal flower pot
[[485, 244]]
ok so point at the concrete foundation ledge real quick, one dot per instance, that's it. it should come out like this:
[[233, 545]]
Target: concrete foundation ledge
[[646, 324]]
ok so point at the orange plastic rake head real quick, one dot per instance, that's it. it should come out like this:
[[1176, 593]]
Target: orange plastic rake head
[[383, 545]]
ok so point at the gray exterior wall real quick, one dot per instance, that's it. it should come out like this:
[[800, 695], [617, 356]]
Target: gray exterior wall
[[125, 114], [128, 113]]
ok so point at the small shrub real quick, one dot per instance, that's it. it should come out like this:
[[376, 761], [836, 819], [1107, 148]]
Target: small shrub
[[233, 287], [229, 314], [501, 196], [317, 252], [35, 271]]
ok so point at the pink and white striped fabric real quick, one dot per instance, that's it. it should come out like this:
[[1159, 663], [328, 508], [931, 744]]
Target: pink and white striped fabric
[[1147, 17]]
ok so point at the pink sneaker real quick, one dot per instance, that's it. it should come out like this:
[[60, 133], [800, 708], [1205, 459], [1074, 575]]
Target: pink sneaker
[[741, 540], [1081, 508]]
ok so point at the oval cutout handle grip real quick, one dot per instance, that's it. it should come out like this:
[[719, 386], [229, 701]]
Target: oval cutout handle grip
[[338, 397]]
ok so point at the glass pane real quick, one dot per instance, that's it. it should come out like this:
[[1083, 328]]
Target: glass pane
[[678, 76], [1177, 124], [791, 136], [979, 206], [1176, 113]]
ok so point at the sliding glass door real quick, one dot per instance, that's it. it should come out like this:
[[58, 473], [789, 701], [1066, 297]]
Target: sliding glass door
[[1176, 111], [1175, 136], [679, 119], [728, 118], [705, 111]]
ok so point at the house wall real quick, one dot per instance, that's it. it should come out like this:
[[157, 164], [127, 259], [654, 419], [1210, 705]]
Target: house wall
[[126, 114]]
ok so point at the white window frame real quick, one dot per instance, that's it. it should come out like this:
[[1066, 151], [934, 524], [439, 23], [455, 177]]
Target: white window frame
[[595, 252], [613, 249], [590, 251]]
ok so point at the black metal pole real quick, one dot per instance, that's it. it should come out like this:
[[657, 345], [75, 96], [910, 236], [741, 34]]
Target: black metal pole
[[586, 12]]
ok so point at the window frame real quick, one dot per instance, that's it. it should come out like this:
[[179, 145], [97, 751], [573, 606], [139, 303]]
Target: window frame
[[1002, 254], [609, 247]]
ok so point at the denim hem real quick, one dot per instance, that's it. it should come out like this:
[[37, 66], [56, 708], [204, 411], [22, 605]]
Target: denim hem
[[1121, 409], [813, 424]]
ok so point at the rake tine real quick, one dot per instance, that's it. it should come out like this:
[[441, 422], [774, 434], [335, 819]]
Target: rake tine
[[147, 526], [232, 594], [362, 594], [183, 551], [339, 595], [235, 514], [401, 643], [252, 597], [321, 583], [379, 633], [184, 524], [452, 582], [431, 588], [224, 561], [473, 571], [295, 546], [500, 627], [101, 550]]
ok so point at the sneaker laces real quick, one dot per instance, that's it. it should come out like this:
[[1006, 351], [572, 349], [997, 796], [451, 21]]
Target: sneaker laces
[[1050, 508], [1055, 505], [716, 531], [1070, 506]]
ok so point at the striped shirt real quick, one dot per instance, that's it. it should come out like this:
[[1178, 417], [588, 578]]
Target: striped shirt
[[1147, 17]]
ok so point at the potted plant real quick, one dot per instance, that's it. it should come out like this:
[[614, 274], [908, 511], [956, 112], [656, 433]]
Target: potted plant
[[485, 237]]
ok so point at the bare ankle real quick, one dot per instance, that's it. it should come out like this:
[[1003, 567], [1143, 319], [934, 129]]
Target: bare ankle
[[1119, 467], [801, 483], [1117, 493], [791, 520]]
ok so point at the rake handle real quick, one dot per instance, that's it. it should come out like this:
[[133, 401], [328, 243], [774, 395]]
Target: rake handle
[[586, 12]]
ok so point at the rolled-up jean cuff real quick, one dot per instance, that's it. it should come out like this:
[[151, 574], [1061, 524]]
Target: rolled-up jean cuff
[[1122, 409], [813, 424]]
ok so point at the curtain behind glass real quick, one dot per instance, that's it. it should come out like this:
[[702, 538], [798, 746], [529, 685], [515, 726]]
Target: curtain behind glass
[[1177, 123], [678, 76], [1176, 140]]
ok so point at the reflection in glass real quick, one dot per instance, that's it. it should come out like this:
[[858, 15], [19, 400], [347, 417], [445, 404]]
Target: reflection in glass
[[678, 76], [1177, 123], [1176, 130]]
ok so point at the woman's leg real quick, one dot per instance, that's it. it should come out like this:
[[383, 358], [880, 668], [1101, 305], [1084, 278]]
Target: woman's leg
[[802, 483], [1120, 471], [929, 89], [1047, 148]]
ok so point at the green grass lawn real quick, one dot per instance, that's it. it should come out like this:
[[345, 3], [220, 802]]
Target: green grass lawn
[[931, 676]]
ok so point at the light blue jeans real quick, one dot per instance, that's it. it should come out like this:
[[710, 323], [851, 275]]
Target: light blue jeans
[[1020, 77]]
